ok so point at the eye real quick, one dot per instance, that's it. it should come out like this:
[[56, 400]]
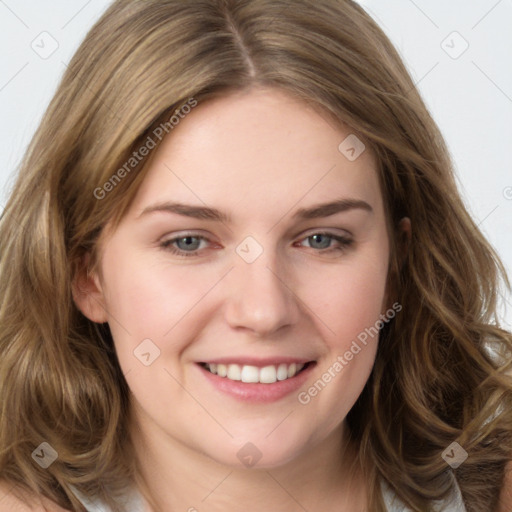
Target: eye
[[322, 242], [187, 244]]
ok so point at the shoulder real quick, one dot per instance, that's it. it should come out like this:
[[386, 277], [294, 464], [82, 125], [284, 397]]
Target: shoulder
[[9, 502]]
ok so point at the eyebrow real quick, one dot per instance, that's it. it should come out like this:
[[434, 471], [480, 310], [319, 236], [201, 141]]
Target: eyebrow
[[206, 213]]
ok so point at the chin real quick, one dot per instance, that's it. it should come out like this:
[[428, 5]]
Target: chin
[[257, 452]]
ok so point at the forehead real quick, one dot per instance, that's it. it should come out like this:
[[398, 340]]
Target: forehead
[[261, 152]]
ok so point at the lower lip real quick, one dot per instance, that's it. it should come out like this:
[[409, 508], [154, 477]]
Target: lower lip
[[257, 392]]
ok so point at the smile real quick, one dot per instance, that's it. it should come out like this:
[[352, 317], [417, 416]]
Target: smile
[[257, 381], [253, 374]]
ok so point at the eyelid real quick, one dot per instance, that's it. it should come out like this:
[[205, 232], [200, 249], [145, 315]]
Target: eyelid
[[183, 234], [327, 231]]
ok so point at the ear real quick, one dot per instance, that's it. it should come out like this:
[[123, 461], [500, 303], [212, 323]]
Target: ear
[[404, 239], [88, 293]]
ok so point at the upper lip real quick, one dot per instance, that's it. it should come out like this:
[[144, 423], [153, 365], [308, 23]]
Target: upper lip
[[258, 362]]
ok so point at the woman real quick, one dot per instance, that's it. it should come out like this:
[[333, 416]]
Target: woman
[[237, 271]]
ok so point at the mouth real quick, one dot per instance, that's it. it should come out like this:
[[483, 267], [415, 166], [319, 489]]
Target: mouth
[[253, 374], [259, 382]]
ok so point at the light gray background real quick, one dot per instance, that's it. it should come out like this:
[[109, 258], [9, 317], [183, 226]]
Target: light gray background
[[468, 90]]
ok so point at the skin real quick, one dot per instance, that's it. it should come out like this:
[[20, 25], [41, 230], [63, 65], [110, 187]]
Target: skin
[[258, 156], [505, 503]]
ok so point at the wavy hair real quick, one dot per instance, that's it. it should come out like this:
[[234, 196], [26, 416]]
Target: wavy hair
[[434, 381]]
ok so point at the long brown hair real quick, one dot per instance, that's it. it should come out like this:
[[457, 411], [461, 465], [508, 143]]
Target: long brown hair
[[434, 380]]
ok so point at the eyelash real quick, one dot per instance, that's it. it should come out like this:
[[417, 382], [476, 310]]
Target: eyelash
[[344, 241]]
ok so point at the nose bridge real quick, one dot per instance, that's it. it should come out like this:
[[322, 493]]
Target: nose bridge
[[259, 296]]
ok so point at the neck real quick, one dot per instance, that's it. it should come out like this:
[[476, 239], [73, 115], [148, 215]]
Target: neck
[[326, 477]]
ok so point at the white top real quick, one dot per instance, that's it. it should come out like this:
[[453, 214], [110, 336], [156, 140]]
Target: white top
[[135, 502], [453, 504]]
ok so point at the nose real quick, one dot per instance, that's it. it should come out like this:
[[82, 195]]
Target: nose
[[260, 297]]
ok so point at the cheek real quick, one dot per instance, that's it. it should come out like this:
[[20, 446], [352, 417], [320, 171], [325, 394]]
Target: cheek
[[144, 295], [347, 298], [348, 314], [148, 299]]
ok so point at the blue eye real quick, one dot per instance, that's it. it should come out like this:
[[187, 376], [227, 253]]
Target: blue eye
[[187, 242], [189, 245], [322, 238]]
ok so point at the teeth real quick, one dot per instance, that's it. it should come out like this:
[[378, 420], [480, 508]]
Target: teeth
[[282, 372], [252, 374], [268, 375], [234, 372]]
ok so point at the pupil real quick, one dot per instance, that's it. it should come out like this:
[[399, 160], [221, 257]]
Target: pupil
[[326, 239], [187, 241]]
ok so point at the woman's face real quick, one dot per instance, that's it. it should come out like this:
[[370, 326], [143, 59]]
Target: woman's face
[[229, 260]]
